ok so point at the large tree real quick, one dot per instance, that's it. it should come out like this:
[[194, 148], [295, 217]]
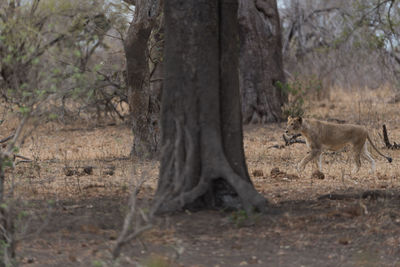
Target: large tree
[[260, 67], [202, 158], [261, 64]]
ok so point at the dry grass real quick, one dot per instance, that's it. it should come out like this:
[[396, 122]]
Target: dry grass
[[56, 147], [370, 109], [90, 206]]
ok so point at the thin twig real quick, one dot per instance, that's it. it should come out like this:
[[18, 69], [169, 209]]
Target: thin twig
[[127, 234], [22, 157], [6, 139]]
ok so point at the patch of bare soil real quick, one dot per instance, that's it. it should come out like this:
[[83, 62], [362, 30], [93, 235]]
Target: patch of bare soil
[[77, 186], [353, 231]]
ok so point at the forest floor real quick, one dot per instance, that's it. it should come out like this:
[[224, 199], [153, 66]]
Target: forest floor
[[77, 188]]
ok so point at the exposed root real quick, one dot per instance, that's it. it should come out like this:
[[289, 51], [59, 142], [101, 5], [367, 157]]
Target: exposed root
[[251, 199], [175, 196]]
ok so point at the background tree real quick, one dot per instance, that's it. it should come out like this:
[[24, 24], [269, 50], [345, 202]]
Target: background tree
[[260, 67], [42, 60], [202, 160], [142, 48], [346, 44], [51, 60], [261, 64]]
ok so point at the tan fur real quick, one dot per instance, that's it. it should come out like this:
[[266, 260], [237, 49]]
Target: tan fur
[[321, 135]]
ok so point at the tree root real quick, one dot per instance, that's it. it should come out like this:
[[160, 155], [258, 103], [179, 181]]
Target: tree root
[[175, 197], [251, 199]]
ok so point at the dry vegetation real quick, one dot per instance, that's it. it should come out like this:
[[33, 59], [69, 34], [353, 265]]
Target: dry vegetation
[[371, 109], [84, 169]]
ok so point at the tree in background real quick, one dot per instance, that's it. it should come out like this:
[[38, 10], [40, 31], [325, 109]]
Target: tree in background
[[50, 60], [349, 44], [143, 49], [53, 52], [202, 160], [261, 66]]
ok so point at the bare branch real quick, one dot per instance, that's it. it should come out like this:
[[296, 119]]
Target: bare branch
[[130, 2], [386, 140], [126, 234], [22, 157], [34, 7], [18, 132], [6, 139], [292, 140]]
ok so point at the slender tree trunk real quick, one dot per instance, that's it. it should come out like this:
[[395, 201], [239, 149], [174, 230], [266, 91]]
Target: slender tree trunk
[[260, 61], [143, 102], [7, 242], [202, 159]]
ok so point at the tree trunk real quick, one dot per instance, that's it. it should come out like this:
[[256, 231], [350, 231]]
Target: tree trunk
[[260, 61], [202, 159], [143, 102], [7, 248]]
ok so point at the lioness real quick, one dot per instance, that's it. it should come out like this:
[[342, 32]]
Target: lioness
[[332, 136]]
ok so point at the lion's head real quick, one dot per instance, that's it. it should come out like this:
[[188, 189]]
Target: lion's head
[[293, 125]]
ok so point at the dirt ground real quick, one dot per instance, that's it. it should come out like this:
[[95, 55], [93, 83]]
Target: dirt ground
[[76, 191]]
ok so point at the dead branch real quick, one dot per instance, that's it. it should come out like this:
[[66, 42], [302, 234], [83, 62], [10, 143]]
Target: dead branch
[[289, 141], [18, 132], [22, 157], [130, 2], [23, 161], [371, 194], [386, 140], [143, 222], [6, 139], [292, 140]]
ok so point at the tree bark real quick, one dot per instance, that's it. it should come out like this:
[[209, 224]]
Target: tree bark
[[202, 159], [261, 64], [143, 102]]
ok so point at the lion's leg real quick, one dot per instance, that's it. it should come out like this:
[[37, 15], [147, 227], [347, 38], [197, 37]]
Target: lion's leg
[[312, 155], [317, 161], [367, 155], [357, 158]]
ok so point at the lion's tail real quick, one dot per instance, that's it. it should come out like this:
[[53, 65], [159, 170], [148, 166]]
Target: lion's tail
[[372, 144]]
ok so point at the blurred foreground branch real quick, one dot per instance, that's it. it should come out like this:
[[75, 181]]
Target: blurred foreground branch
[[136, 221]]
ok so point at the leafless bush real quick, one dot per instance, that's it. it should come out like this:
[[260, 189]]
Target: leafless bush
[[7, 214], [70, 57], [342, 43]]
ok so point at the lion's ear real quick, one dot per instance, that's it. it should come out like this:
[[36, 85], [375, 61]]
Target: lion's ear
[[290, 117], [300, 119]]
